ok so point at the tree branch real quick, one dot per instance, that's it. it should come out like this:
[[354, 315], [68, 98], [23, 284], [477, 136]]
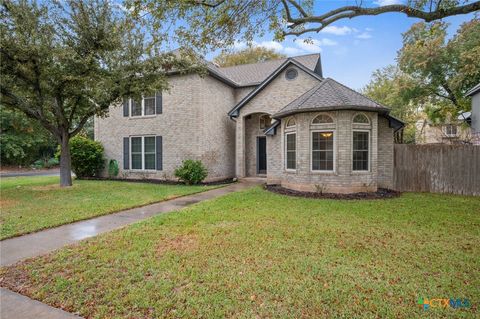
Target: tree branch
[[348, 12]]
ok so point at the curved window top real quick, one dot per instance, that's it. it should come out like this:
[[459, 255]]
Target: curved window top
[[361, 119], [322, 119], [265, 121], [291, 122]]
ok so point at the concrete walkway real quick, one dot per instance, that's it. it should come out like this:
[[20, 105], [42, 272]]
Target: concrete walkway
[[14, 305], [15, 249]]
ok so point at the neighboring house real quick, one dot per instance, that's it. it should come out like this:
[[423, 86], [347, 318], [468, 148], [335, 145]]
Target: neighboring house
[[452, 132], [278, 119], [473, 117]]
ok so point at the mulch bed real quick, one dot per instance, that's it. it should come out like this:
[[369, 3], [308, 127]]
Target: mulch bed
[[157, 181], [381, 193]]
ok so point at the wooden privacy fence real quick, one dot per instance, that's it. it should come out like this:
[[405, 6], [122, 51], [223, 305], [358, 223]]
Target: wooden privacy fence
[[437, 168]]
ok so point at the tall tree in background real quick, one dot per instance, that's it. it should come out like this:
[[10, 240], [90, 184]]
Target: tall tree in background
[[432, 75], [63, 62], [395, 89], [23, 140], [248, 55], [442, 69]]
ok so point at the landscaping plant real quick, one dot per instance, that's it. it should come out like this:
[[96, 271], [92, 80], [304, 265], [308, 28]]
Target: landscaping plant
[[87, 156], [191, 172]]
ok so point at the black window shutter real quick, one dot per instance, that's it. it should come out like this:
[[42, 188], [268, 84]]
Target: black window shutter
[[159, 153], [126, 110], [126, 153], [158, 103]]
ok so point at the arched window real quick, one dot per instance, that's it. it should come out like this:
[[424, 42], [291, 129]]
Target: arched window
[[322, 119], [265, 121], [361, 119], [291, 122]]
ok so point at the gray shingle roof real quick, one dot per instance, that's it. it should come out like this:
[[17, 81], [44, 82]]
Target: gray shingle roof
[[254, 74], [330, 95]]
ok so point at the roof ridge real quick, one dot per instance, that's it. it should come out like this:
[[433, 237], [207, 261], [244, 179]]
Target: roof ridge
[[358, 93], [338, 93], [267, 61], [307, 94]]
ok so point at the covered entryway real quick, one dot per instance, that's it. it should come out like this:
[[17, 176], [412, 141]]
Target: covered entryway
[[256, 144], [261, 155]]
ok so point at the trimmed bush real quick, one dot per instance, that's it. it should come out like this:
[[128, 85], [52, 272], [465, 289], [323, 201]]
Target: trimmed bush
[[87, 156], [191, 172], [113, 168]]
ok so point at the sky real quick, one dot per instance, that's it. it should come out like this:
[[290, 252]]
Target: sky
[[352, 49]]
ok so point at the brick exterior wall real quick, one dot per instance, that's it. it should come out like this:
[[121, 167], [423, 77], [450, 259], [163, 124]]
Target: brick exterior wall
[[194, 125], [343, 179], [275, 96], [385, 154]]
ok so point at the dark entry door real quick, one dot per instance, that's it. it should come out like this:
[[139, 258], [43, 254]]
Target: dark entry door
[[261, 155]]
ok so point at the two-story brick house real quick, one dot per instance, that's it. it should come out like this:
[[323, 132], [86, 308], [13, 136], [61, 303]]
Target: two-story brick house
[[278, 119]]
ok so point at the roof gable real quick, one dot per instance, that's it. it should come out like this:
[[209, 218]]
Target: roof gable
[[256, 73], [235, 110], [330, 95]]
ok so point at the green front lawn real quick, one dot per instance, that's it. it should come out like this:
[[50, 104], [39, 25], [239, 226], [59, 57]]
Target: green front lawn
[[255, 254], [32, 203]]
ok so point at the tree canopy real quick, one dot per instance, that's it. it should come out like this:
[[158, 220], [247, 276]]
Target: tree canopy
[[432, 76], [247, 55], [218, 23], [63, 62]]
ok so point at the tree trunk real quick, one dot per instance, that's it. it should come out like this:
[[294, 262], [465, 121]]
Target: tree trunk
[[65, 162]]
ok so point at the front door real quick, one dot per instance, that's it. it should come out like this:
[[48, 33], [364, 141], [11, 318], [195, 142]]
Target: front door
[[261, 155]]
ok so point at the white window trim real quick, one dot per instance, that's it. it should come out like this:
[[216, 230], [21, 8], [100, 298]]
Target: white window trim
[[143, 154], [334, 151], [291, 126], [369, 152], [323, 124], [130, 107], [285, 151], [264, 117], [358, 123], [450, 135]]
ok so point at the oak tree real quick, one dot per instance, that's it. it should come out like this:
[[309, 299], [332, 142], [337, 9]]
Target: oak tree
[[63, 62]]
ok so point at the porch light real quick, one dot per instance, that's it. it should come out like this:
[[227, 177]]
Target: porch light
[[326, 134]]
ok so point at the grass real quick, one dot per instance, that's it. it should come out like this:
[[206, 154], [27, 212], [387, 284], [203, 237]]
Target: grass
[[257, 254], [30, 204]]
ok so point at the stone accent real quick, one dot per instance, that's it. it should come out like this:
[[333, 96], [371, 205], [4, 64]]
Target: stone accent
[[194, 125]]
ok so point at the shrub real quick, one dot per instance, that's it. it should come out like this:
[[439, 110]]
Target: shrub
[[87, 156], [113, 168], [191, 172]]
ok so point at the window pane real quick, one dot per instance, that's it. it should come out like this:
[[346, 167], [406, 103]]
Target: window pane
[[136, 108], [360, 151], [136, 161], [360, 118], [149, 161], [291, 151], [322, 151], [149, 144], [149, 104], [291, 142], [136, 144], [322, 118]]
